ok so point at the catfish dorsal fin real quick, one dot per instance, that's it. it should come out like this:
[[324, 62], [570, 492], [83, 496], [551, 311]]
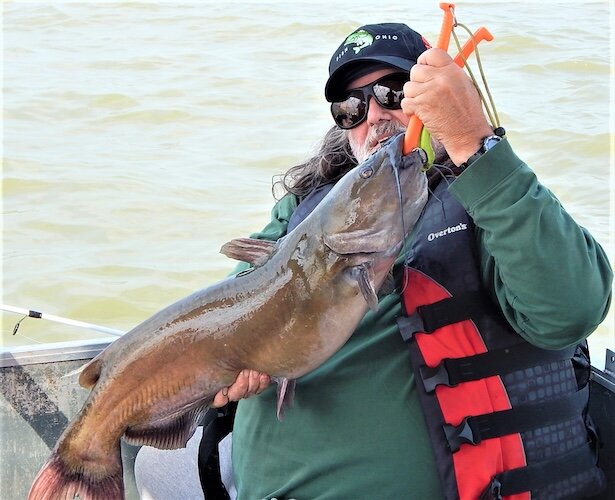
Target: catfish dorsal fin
[[250, 250], [90, 372]]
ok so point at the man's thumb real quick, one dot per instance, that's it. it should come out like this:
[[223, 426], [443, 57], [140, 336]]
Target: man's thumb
[[434, 57]]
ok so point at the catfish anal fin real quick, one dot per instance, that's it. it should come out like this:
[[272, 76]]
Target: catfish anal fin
[[286, 395], [167, 434]]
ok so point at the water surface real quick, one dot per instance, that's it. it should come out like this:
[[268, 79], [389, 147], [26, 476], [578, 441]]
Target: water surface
[[139, 137]]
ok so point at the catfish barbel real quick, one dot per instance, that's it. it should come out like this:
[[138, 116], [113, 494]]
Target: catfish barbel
[[301, 302]]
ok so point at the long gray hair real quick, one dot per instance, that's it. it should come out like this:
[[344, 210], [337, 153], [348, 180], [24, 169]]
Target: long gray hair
[[334, 158], [331, 161]]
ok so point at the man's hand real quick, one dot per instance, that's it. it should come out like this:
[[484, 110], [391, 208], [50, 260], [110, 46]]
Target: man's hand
[[443, 96], [248, 383]]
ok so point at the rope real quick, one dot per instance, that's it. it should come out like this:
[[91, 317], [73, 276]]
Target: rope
[[489, 106]]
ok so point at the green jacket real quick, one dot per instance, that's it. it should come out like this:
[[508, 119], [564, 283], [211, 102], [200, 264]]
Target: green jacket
[[356, 429]]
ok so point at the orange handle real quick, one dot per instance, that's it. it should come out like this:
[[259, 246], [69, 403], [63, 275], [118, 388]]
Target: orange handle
[[481, 34], [448, 20], [415, 126]]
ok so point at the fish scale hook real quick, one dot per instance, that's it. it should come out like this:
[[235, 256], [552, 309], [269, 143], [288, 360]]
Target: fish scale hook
[[416, 137], [415, 125]]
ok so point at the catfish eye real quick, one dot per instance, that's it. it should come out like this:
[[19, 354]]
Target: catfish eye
[[366, 172]]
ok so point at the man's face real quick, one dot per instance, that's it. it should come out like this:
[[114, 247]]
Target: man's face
[[380, 123]]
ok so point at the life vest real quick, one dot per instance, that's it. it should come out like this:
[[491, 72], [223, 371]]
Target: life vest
[[505, 417]]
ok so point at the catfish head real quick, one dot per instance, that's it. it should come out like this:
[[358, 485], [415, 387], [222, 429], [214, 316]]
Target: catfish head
[[374, 206], [371, 210]]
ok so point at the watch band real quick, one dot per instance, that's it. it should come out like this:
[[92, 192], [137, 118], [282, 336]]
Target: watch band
[[486, 144]]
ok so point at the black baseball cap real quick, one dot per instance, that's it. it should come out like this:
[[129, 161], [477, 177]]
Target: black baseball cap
[[371, 47]]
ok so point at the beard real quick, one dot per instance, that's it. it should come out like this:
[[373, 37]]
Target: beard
[[385, 128]]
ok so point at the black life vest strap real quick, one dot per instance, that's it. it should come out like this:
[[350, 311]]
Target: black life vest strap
[[475, 429], [430, 317], [217, 424], [453, 371], [539, 475]]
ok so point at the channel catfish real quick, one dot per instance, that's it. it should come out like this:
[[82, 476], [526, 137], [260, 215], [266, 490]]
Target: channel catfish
[[298, 305]]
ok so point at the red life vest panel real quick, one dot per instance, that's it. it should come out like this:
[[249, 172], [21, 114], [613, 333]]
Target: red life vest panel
[[506, 419]]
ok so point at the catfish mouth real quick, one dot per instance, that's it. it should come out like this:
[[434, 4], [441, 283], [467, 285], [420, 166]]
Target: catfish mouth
[[378, 142], [366, 256], [360, 242]]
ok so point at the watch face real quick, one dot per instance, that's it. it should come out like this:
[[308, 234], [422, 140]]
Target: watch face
[[491, 141]]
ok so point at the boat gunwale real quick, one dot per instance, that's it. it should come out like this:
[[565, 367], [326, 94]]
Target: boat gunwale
[[52, 352]]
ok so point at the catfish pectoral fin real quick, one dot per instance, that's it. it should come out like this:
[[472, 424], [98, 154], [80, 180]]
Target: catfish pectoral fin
[[251, 250], [169, 433], [364, 275], [286, 395]]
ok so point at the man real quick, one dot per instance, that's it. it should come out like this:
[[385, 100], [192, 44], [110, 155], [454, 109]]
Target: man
[[367, 424]]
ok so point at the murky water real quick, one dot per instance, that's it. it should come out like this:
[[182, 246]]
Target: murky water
[[139, 137]]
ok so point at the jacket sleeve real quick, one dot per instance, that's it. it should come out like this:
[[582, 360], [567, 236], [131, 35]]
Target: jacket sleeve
[[549, 275], [276, 228]]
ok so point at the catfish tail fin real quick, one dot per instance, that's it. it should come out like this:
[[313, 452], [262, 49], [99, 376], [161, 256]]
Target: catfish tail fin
[[57, 480]]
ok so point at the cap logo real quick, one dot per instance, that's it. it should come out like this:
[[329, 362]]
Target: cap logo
[[361, 39]]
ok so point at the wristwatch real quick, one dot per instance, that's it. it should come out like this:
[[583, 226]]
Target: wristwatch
[[486, 144]]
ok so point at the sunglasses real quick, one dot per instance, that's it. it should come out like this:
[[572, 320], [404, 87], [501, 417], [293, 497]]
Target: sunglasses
[[388, 92]]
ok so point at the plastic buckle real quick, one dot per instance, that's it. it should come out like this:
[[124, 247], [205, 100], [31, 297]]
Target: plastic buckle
[[433, 377], [460, 434], [493, 491], [409, 325]]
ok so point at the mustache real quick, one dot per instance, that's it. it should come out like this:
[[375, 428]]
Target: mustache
[[388, 128], [384, 128]]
